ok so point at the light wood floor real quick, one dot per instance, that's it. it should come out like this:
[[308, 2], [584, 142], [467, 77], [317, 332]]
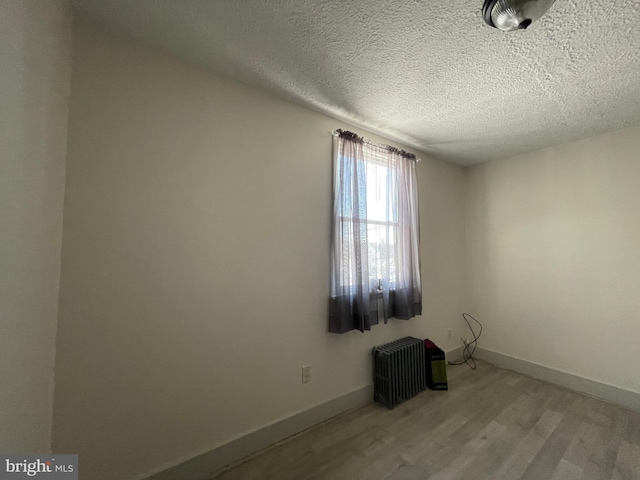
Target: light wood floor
[[492, 423]]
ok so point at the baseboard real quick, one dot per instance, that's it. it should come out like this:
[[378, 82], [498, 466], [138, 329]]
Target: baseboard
[[454, 354], [605, 392], [210, 464]]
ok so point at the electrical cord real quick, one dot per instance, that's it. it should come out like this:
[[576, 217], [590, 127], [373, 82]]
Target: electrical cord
[[469, 348]]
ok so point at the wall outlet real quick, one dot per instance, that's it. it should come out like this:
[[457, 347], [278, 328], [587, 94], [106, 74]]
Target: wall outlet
[[449, 333], [306, 373]]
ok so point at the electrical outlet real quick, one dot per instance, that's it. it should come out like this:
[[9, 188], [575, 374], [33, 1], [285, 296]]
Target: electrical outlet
[[306, 373], [449, 333]]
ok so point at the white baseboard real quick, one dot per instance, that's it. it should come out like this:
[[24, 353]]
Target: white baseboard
[[455, 354], [210, 464], [609, 393]]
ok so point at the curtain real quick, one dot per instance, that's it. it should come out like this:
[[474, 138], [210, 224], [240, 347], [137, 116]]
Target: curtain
[[375, 245]]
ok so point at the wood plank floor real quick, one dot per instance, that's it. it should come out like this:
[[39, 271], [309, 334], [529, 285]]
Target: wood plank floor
[[491, 423]]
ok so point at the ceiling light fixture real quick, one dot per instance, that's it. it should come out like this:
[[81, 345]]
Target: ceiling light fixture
[[509, 15]]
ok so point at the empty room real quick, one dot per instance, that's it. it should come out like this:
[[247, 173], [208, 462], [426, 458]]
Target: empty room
[[229, 228]]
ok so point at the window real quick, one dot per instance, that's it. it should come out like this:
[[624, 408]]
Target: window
[[375, 262], [380, 220]]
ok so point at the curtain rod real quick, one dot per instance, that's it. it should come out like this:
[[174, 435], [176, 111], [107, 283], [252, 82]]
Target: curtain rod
[[334, 133]]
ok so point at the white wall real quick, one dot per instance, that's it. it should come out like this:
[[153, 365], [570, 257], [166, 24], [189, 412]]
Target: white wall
[[195, 262], [35, 65], [553, 248]]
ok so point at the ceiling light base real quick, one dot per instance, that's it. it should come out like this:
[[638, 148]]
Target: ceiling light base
[[511, 15]]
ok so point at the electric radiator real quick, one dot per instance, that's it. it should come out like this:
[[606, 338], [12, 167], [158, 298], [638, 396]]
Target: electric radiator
[[399, 371]]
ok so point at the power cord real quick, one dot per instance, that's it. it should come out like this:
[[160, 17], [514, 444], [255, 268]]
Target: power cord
[[469, 348]]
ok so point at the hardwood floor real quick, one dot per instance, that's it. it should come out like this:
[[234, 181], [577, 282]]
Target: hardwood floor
[[490, 424]]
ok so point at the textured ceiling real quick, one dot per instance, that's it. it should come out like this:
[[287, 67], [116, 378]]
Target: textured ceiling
[[433, 78]]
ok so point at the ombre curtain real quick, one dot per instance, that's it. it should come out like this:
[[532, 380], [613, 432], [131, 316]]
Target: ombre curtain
[[375, 244]]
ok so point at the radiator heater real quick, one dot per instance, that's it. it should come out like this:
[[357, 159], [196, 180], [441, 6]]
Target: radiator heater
[[399, 371]]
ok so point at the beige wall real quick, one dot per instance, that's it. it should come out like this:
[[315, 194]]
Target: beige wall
[[553, 248], [35, 65], [195, 262]]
